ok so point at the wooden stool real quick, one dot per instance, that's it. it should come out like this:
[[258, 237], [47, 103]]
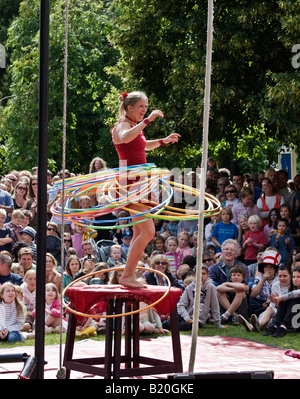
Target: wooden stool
[[112, 360]]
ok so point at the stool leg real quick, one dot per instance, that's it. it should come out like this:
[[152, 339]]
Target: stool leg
[[136, 335], [176, 339], [117, 340], [128, 307], [108, 340], [69, 347]]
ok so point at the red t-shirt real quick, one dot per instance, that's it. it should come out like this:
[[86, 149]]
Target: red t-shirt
[[259, 238]]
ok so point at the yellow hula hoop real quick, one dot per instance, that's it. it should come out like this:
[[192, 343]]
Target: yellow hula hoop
[[115, 315]]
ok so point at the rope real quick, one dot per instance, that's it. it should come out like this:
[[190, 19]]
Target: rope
[[62, 372], [202, 184]]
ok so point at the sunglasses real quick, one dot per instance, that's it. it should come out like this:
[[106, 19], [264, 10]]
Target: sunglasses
[[230, 192], [34, 184], [207, 260], [48, 229], [161, 263], [67, 240]]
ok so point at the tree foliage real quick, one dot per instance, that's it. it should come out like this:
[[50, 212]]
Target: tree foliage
[[88, 54], [159, 47], [163, 51]]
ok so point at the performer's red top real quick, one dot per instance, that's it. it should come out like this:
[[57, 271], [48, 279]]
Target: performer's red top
[[132, 153]]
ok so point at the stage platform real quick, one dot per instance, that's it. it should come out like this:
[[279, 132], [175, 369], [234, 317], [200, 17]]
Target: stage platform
[[214, 354]]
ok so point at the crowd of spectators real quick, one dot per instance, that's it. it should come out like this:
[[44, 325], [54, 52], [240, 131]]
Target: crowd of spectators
[[249, 254]]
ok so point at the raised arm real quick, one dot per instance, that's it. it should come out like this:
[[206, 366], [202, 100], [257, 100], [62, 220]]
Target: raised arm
[[125, 133]]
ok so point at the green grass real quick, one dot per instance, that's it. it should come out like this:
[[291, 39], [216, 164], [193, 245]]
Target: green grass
[[290, 341]]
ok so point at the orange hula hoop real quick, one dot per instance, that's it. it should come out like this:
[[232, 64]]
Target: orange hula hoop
[[115, 315]]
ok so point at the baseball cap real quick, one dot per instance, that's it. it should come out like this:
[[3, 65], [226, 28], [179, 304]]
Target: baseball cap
[[127, 233]]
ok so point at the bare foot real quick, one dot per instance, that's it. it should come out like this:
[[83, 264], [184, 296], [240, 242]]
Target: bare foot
[[131, 282]]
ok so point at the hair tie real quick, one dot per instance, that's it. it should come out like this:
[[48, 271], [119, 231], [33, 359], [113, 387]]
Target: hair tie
[[124, 94]]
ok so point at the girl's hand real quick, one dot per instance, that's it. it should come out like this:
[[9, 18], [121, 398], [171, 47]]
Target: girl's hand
[[4, 333], [163, 330], [172, 138], [154, 114], [277, 300]]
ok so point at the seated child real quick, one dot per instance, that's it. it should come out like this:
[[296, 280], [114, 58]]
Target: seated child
[[246, 206], [173, 257], [224, 229], [87, 266], [29, 291], [77, 239], [279, 288], [183, 248], [117, 233], [171, 226], [52, 310], [99, 278], [126, 239], [150, 322], [5, 233], [286, 318], [254, 239], [12, 315], [159, 244], [28, 235], [209, 305], [283, 241], [115, 259], [15, 224], [18, 269], [232, 295], [182, 272]]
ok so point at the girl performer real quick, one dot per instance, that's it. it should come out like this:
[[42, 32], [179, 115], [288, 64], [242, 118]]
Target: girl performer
[[131, 146]]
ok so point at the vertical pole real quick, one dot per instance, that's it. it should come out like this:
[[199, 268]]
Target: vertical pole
[[42, 188], [202, 183]]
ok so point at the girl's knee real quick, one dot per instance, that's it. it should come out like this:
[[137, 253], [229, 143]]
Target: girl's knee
[[149, 328], [141, 328], [14, 336]]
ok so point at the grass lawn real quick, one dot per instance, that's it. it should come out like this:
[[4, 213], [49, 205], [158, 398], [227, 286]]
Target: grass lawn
[[290, 341]]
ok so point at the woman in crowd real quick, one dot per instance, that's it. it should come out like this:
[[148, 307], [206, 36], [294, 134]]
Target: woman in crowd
[[161, 264], [268, 200]]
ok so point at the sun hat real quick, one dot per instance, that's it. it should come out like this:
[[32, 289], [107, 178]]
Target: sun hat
[[30, 231], [269, 258]]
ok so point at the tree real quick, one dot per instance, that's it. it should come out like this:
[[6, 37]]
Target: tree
[[282, 94], [163, 52], [88, 55]]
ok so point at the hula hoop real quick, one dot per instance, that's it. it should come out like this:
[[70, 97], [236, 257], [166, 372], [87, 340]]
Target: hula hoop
[[108, 181], [121, 314]]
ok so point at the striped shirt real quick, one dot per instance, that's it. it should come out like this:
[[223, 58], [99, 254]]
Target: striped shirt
[[9, 318]]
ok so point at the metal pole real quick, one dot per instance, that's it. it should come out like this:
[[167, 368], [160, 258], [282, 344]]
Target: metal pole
[[42, 188]]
